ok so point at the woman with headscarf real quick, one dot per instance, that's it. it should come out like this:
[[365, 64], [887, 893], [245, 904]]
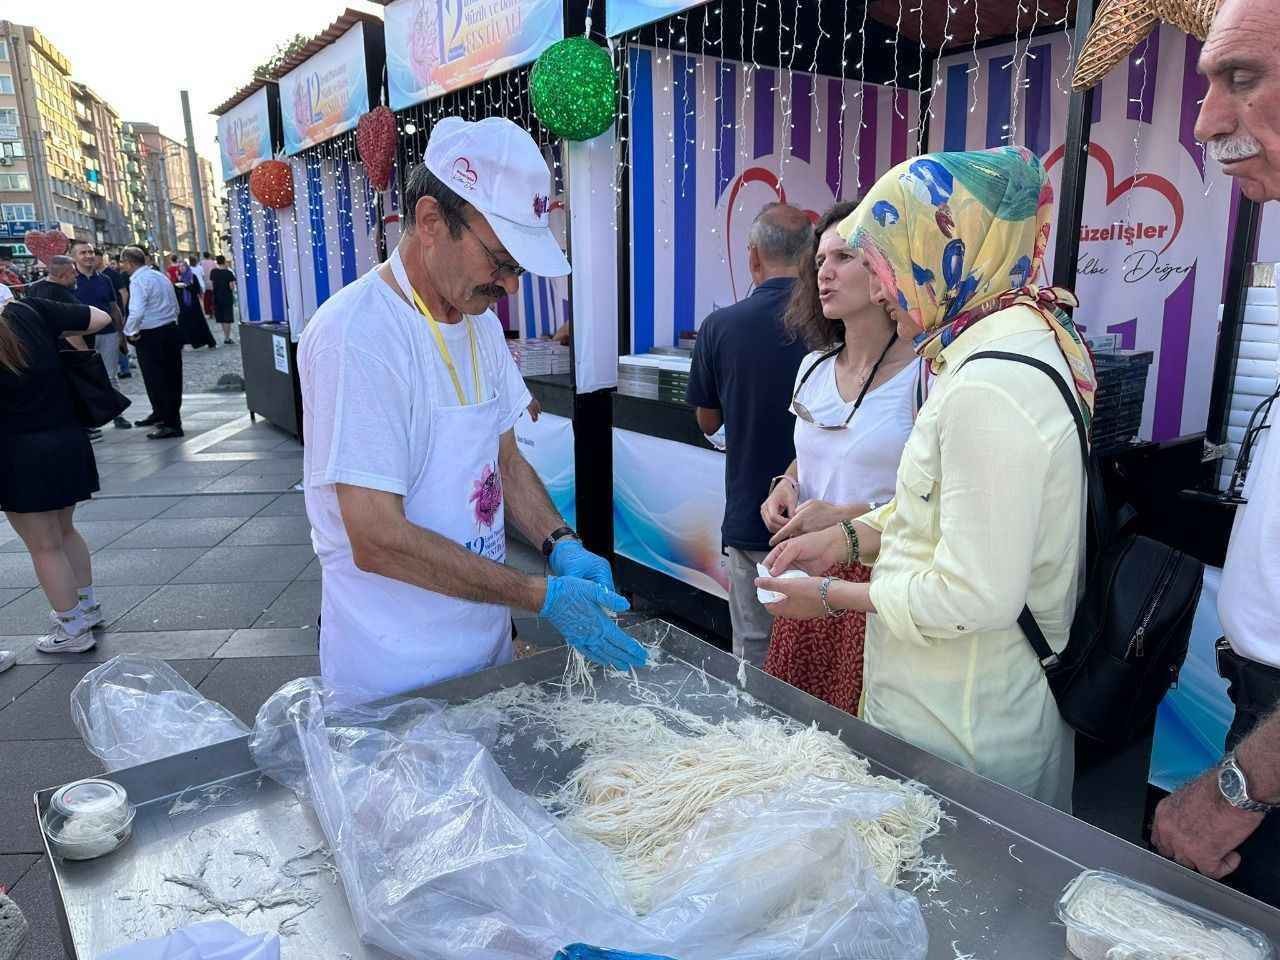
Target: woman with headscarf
[[989, 507], [191, 321]]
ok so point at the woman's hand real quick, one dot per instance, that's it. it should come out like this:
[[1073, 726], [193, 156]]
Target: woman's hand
[[814, 553], [801, 600], [780, 506], [810, 516]]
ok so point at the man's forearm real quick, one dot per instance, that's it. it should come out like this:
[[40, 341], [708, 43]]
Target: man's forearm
[[527, 504], [1259, 758]]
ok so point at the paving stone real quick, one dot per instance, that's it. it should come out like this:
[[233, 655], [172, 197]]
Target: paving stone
[[32, 765], [286, 505], [13, 866], [152, 484], [269, 465], [260, 531], [243, 685], [297, 606], [16, 571], [124, 508], [16, 681], [268, 483], [11, 593], [240, 564], [29, 615], [198, 468], [140, 566], [97, 534], [181, 532], [34, 894], [213, 505], [209, 606], [312, 570], [173, 645], [286, 642], [44, 711]]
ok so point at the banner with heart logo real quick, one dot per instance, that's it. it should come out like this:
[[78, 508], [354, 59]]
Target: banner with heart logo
[[46, 244], [712, 142], [1157, 215]]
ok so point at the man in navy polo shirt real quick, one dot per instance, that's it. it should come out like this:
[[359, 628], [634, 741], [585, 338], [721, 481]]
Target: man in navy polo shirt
[[95, 289], [744, 369]]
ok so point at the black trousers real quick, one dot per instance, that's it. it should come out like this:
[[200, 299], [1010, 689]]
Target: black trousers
[[1255, 690], [160, 358]]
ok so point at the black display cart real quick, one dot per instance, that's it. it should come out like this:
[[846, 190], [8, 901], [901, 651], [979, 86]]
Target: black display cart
[[272, 389]]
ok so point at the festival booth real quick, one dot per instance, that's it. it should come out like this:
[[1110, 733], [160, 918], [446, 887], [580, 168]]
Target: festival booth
[[306, 207]]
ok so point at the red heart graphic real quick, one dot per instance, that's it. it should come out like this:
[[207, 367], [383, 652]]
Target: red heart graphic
[[376, 144], [462, 170], [45, 245], [1151, 181]]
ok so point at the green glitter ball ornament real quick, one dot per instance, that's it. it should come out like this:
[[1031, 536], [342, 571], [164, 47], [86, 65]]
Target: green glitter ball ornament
[[573, 89]]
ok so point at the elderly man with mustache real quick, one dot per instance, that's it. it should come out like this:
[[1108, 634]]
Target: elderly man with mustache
[[1224, 824]]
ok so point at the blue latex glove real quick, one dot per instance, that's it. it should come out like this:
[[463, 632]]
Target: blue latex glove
[[584, 951], [569, 558], [577, 608]]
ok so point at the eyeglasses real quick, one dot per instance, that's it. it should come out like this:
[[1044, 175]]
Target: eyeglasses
[[500, 267], [801, 411]]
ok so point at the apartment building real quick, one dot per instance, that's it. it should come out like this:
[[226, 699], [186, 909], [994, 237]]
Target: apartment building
[[104, 167]]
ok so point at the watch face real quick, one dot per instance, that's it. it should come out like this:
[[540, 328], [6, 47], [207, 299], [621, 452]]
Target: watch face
[[1231, 783]]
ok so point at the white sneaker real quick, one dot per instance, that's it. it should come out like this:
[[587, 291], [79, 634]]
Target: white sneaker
[[92, 616], [7, 659], [60, 640]]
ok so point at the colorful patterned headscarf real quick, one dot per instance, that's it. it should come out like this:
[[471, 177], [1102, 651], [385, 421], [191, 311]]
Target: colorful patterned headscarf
[[956, 237]]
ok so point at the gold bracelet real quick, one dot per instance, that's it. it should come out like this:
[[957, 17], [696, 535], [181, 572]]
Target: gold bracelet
[[854, 552]]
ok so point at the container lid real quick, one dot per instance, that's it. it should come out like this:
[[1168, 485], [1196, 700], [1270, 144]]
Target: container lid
[[90, 798]]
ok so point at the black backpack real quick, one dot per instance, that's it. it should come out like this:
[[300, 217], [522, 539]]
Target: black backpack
[[1133, 622]]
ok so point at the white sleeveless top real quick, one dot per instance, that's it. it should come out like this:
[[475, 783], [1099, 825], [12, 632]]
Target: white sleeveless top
[[860, 463]]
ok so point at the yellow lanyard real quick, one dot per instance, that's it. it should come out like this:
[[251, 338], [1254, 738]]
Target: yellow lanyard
[[444, 350]]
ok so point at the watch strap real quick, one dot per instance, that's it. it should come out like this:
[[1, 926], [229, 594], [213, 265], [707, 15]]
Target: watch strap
[[1244, 801], [555, 537]]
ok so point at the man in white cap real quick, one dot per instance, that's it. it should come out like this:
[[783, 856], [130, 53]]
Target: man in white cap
[[411, 465]]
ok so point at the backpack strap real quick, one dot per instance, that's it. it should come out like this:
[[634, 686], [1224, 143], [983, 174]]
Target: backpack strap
[[1026, 619]]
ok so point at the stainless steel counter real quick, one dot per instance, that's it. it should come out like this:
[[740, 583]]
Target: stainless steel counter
[[1012, 856]]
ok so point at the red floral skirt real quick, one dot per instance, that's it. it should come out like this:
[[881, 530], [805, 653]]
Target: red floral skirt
[[823, 657]]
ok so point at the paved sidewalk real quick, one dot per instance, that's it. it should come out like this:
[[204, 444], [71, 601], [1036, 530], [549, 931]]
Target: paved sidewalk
[[202, 556]]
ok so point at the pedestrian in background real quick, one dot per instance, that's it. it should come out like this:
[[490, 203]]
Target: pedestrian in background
[[95, 289], [153, 328], [46, 463], [121, 283], [223, 284], [207, 266], [195, 329]]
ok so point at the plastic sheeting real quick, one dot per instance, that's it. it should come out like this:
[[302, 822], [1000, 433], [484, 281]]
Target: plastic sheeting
[[442, 858], [133, 710], [215, 940]]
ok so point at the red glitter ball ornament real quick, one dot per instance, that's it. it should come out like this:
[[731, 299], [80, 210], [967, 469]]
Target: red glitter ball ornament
[[272, 184], [376, 144]]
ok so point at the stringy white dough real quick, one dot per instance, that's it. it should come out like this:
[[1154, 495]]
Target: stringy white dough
[[649, 772], [91, 835], [1109, 921]]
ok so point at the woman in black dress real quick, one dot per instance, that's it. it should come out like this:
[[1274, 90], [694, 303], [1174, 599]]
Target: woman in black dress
[[46, 463], [191, 321]]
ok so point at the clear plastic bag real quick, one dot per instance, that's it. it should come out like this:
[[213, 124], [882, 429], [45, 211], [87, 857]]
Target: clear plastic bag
[[441, 857], [133, 710]]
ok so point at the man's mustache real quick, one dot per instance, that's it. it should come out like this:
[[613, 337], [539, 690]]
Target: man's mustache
[[492, 292], [1230, 149]]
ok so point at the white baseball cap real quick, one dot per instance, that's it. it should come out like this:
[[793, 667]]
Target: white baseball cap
[[496, 167]]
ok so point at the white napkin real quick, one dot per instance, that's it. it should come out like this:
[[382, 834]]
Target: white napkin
[[770, 596]]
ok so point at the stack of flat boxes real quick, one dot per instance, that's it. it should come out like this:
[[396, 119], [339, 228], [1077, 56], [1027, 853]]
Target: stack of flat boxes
[[539, 358], [656, 376], [1122, 384]]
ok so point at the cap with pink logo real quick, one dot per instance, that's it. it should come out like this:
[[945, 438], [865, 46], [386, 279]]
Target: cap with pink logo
[[496, 167]]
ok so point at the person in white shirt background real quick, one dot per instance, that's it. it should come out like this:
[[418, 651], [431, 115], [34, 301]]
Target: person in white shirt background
[[1224, 823], [411, 466], [152, 326]]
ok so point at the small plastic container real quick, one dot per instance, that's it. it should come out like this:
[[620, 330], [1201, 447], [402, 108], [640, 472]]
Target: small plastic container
[[88, 819], [1110, 917]]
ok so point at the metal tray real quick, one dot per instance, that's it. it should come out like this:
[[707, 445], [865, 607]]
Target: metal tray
[[1013, 856]]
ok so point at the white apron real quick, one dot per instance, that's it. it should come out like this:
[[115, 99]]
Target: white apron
[[431, 637]]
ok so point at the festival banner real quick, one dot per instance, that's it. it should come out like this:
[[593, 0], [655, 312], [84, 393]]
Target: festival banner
[[713, 141], [673, 528], [1158, 214], [540, 306], [326, 95], [623, 15], [547, 444], [244, 135], [434, 46]]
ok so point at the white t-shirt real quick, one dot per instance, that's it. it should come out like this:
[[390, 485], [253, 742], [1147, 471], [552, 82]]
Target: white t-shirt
[[860, 463], [371, 375], [1249, 597]]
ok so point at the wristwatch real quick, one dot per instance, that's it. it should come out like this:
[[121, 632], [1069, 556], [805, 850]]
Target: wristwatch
[[778, 479], [1234, 787], [555, 537]]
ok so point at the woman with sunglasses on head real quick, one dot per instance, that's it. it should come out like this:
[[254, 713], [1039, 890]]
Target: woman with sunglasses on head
[[989, 506], [853, 404]]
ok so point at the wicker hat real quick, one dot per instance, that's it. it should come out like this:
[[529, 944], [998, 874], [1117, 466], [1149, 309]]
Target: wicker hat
[[13, 928], [1120, 25]]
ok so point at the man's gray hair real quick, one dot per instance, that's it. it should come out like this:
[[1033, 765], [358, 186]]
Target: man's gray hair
[[781, 233], [60, 264]]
